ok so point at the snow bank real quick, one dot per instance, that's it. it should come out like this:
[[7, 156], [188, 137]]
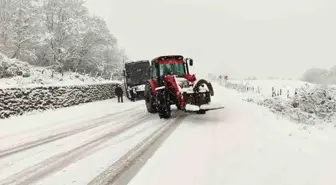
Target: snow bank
[[14, 73], [312, 104]]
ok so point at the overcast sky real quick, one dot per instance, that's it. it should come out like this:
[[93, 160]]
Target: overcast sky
[[235, 37]]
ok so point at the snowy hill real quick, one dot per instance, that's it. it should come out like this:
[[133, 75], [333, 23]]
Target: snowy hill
[[15, 73]]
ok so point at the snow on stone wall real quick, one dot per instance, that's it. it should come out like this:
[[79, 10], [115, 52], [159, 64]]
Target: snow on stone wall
[[17, 101]]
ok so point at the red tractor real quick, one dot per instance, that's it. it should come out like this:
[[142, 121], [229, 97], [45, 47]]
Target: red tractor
[[171, 83]]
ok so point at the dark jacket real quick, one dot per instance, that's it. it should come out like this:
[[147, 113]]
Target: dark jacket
[[118, 91]]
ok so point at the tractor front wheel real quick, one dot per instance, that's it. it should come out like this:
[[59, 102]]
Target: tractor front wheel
[[163, 105], [149, 99]]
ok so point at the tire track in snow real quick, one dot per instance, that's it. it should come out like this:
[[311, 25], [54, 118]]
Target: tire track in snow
[[62, 122], [31, 154], [116, 170], [42, 141], [62, 160]]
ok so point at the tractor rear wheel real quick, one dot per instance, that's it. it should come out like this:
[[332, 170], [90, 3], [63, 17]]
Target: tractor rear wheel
[[163, 104], [149, 99]]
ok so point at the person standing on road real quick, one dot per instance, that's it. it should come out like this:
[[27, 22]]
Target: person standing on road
[[119, 93], [220, 79]]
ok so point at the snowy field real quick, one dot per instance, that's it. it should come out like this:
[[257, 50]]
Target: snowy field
[[21, 74], [266, 86], [241, 144]]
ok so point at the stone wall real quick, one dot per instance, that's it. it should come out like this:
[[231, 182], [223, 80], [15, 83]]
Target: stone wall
[[17, 101]]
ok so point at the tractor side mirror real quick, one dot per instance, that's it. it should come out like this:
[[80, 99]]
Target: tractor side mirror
[[191, 62]]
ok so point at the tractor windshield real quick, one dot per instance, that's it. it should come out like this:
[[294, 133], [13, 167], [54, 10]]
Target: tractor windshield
[[172, 69]]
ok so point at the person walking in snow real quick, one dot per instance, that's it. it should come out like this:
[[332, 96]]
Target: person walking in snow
[[119, 93], [220, 79]]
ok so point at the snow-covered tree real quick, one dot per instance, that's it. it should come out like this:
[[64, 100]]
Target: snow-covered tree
[[315, 75], [320, 76], [19, 28], [98, 45], [57, 33]]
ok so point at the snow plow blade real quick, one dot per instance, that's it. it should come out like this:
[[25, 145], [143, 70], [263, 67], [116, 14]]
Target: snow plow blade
[[197, 109], [208, 109]]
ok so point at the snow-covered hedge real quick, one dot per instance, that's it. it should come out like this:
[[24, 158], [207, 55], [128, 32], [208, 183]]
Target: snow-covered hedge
[[313, 103], [12, 67], [310, 106], [15, 73], [17, 101]]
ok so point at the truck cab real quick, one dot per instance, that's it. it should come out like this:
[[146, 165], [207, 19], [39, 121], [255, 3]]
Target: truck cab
[[135, 76]]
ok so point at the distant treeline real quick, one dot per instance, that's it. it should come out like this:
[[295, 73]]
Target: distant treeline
[[320, 76]]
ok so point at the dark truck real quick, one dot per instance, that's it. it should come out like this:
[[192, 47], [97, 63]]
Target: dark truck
[[136, 74]]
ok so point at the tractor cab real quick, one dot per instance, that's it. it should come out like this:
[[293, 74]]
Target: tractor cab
[[171, 65], [175, 65]]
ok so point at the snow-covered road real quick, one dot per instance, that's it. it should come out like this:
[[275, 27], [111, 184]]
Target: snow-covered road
[[94, 143], [244, 144], [74, 145]]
